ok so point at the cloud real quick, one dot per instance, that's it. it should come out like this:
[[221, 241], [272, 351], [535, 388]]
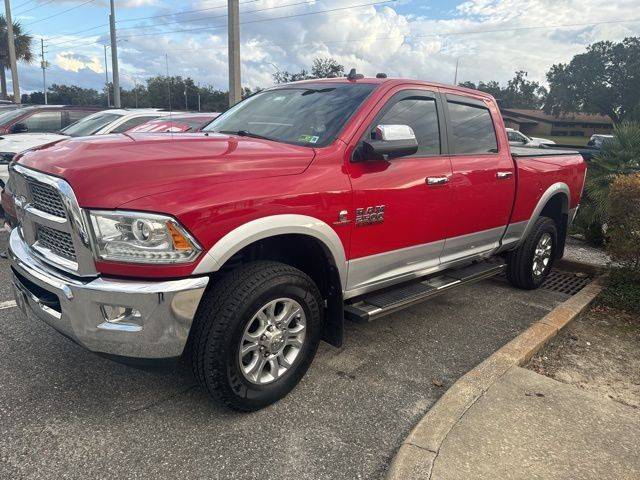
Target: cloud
[[491, 38]]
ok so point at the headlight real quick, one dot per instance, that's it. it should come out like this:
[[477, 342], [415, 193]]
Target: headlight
[[141, 238]]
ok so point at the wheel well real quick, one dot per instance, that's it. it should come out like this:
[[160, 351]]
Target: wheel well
[[309, 255], [557, 208]]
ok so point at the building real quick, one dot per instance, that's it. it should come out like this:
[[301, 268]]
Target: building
[[537, 123]]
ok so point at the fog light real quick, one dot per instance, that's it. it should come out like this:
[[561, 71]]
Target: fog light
[[119, 313]]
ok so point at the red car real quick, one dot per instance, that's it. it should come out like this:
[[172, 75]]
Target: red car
[[304, 204], [42, 119], [179, 123]]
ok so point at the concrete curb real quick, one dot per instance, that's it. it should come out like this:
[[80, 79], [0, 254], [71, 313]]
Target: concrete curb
[[415, 458]]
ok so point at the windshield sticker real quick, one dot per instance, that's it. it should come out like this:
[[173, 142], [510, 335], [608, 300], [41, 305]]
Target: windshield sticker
[[308, 138]]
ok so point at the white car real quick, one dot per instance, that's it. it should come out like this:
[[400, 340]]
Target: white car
[[99, 123], [519, 139]]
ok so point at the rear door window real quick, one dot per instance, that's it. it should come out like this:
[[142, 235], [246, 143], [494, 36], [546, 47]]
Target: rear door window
[[472, 129], [421, 114]]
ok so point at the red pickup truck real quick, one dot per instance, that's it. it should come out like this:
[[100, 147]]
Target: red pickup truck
[[244, 245]]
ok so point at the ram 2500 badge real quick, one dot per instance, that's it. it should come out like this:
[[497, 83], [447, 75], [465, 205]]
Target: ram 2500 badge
[[246, 244]]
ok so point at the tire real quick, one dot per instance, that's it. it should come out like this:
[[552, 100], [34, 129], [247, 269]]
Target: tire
[[232, 311], [520, 262]]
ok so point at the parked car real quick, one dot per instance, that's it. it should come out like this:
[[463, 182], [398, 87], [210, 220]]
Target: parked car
[[178, 123], [100, 123], [519, 139], [44, 118], [306, 203], [598, 140]]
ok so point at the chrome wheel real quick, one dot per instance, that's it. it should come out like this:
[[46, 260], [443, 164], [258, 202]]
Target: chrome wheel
[[272, 341], [542, 255]]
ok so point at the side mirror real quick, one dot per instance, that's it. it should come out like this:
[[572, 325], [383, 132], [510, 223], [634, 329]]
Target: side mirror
[[391, 141], [19, 128]]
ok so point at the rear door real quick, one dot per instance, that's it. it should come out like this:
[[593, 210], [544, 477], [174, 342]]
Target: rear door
[[409, 235], [483, 181]]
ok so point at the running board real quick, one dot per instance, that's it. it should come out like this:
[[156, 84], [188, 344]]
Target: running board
[[378, 304]]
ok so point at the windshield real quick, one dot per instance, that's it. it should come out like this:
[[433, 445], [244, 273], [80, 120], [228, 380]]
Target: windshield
[[90, 125], [308, 114], [12, 114]]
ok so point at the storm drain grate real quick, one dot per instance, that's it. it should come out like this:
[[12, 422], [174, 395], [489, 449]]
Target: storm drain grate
[[568, 283]]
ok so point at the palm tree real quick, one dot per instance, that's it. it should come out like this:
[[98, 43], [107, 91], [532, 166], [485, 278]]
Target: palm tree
[[620, 156], [23, 50]]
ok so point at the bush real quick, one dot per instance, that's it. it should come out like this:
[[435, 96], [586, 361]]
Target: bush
[[623, 224], [621, 292]]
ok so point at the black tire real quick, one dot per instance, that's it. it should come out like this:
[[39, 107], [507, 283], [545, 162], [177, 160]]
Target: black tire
[[520, 261], [220, 321]]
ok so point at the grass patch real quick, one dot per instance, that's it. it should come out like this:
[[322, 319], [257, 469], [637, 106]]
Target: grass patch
[[621, 292]]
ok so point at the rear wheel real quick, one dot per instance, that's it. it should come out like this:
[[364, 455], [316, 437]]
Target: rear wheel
[[530, 264], [255, 334]]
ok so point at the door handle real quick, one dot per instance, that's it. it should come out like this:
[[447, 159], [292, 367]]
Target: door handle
[[504, 175], [437, 180]]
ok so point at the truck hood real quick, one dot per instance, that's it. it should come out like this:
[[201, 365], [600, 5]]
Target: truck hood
[[111, 170], [18, 142]]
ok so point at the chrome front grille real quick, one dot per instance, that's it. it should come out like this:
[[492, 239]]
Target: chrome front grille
[[46, 198], [58, 242], [52, 224]]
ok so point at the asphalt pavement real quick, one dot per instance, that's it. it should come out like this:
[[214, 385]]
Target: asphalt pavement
[[67, 413]]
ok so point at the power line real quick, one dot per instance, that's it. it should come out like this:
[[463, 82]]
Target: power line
[[184, 12], [60, 13], [33, 8], [22, 4], [265, 19], [209, 17], [79, 31]]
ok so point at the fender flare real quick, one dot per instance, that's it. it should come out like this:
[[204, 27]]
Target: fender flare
[[270, 226], [556, 188]]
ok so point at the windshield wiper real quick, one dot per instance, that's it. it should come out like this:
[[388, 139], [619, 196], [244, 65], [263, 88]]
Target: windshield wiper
[[246, 133]]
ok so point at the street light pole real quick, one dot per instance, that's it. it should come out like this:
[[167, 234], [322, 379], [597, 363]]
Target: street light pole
[[106, 77], [114, 57], [12, 53], [235, 85], [44, 72]]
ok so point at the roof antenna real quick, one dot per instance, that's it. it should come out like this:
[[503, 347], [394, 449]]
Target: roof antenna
[[353, 75], [166, 58]]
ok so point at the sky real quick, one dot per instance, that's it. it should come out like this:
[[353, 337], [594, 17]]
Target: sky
[[489, 39]]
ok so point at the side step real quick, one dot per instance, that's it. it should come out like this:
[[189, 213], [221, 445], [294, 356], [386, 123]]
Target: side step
[[378, 304]]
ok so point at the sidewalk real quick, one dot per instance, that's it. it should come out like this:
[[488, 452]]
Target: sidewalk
[[528, 426]]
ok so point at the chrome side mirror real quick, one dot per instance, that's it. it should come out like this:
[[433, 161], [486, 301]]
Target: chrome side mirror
[[390, 141]]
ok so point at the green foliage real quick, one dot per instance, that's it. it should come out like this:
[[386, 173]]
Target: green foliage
[[322, 67], [605, 80], [621, 156], [623, 224], [22, 42], [621, 292], [519, 92]]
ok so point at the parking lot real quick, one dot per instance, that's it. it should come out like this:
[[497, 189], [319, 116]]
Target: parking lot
[[66, 413]]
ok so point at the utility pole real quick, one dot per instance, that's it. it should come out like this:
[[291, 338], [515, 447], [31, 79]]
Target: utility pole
[[455, 78], [235, 85], [106, 77], [12, 53], [44, 72], [186, 99], [114, 57]]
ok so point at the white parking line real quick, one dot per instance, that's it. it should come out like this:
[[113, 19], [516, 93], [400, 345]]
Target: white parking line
[[8, 304]]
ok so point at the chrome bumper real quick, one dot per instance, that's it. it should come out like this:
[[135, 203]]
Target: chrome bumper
[[158, 328]]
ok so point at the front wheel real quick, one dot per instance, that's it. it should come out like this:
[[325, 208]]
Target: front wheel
[[255, 334], [529, 264]]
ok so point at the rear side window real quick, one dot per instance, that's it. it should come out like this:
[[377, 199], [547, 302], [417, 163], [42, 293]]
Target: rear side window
[[133, 122], [44, 122], [421, 114], [472, 129]]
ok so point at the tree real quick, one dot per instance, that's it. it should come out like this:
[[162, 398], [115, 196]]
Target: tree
[[519, 92], [322, 67], [23, 50], [605, 80]]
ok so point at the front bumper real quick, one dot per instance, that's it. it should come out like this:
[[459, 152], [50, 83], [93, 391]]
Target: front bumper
[[157, 328]]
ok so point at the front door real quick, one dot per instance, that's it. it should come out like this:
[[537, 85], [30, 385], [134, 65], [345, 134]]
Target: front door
[[402, 204], [483, 182]]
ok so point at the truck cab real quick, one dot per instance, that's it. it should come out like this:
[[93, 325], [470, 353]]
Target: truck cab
[[242, 246]]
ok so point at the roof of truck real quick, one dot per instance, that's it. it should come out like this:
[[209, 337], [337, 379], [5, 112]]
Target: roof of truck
[[393, 82]]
